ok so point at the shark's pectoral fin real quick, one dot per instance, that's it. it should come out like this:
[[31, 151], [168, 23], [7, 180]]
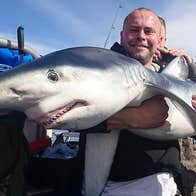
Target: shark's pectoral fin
[[172, 94], [181, 120], [100, 150]]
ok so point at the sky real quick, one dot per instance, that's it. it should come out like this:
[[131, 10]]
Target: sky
[[50, 25]]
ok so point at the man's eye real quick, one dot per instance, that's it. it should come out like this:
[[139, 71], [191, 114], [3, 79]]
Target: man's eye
[[149, 31], [133, 30], [53, 75]]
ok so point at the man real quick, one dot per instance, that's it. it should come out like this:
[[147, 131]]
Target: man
[[162, 56], [137, 160], [141, 37]]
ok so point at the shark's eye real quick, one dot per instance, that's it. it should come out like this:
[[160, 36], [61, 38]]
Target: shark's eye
[[53, 75]]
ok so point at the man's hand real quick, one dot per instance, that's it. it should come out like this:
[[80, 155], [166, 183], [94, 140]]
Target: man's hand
[[151, 113], [165, 55]]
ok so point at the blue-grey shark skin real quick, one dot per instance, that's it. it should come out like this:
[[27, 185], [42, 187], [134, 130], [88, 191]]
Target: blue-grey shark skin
[[78, 88]]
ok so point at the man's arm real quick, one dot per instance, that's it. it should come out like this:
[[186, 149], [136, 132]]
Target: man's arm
[[151, 113]]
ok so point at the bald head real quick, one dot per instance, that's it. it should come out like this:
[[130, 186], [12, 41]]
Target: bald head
[[144, 10], [141, 35]]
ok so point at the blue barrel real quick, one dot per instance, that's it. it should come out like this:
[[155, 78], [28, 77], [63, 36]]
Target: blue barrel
[[10, 58]]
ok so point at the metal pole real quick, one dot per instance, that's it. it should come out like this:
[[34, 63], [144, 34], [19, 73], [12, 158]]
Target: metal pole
[[20, 36], [112, 26]]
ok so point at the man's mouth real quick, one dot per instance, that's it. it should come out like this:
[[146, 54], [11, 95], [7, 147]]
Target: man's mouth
[[54, 116], [139, 46]]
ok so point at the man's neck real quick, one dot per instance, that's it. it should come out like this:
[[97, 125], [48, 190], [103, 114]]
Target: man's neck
[[148, 65]]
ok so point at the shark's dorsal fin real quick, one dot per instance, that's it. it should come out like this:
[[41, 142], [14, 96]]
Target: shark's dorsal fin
[[178, 68]]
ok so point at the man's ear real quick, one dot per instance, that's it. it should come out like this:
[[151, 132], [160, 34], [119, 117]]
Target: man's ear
[[165, 39], [160, 39], [160, 42]]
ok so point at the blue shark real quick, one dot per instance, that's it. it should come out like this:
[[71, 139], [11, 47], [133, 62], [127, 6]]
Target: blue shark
[[78, 88]]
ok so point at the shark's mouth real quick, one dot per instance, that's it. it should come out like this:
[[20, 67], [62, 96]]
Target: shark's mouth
[[54, 117]]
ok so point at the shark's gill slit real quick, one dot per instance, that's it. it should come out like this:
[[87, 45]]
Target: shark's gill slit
[[15, 91]]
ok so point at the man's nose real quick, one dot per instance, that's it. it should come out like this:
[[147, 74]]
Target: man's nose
[[141, 34]]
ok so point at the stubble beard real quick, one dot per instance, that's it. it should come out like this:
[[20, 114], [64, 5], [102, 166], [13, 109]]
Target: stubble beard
[[143, 57]]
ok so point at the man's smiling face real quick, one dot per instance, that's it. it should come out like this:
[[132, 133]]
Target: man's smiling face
[[141, 35]]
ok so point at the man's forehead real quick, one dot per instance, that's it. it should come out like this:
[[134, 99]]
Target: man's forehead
[[143, 14], [141, 17]]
